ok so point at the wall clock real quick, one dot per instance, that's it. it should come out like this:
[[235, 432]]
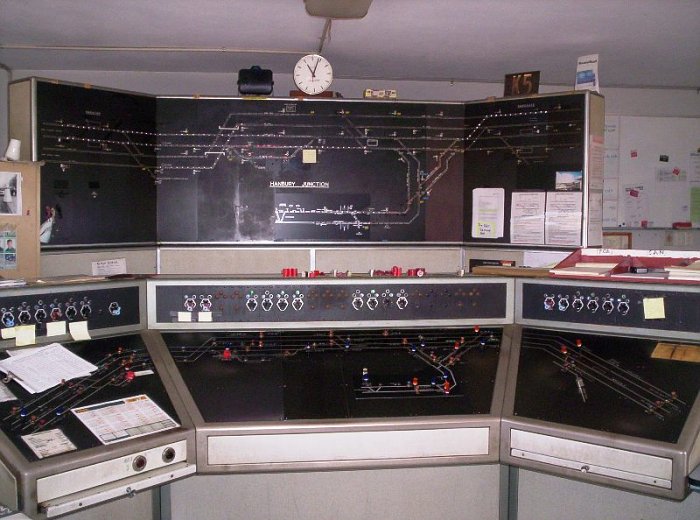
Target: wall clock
[[313, 74]]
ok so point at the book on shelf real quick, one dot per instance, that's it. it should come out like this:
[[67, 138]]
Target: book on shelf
[[585, 269], [684, 272]]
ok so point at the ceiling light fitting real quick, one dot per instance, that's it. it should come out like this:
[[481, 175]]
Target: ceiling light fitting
[[338, 9]]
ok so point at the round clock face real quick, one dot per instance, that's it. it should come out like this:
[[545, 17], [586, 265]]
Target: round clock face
[[313, 74]]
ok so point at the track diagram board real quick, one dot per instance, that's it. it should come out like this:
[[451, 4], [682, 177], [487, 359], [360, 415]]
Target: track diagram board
[[133, 169], [232, 170], [97, 182]]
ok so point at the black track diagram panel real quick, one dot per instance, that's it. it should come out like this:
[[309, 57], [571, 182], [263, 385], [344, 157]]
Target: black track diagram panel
[[338, 374], [133, 169], [235, 170], [611, 385], [97, 183], [534, 145]]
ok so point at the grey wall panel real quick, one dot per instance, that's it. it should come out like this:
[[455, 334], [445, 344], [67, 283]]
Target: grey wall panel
[[138, 261], [543, 496], [435, 260], [448, 493], [195, 261]]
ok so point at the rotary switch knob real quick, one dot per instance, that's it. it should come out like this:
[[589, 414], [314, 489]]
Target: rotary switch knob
[[298, 301], [401, 300], [548, 303], [357, 301], [282, 302], [251, 302], [592, 305], [372, 302]]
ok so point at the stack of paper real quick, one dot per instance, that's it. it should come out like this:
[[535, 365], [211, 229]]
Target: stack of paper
[[585, 269], [688, 272], [39, 369]]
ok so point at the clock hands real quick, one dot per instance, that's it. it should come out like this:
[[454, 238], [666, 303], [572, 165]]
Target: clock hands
[[313, 71]]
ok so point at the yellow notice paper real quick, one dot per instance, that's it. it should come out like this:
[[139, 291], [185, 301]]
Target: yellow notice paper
[[677, 352], [79, 330], [308, 156], [55, 328], [654, 308], [8, 333], [26, 335]]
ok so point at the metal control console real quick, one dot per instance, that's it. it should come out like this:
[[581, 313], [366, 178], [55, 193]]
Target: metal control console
[[52, 462], [337, 373], [348, 301], [602, 386]]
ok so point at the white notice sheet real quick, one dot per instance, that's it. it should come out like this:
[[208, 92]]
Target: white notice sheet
[[49, 442], [38, 369], [124, 419], [487, 212], [563, 218], [527, 217]]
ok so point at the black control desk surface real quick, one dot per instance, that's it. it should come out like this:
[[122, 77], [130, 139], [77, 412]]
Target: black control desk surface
[[626, 390], [287, 375], [123, 371]]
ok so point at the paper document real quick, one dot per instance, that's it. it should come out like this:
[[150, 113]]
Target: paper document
[[527, 217], [47, 443], [39, 369], [6, 394], [487, 212], [563, 218], [124, 419]]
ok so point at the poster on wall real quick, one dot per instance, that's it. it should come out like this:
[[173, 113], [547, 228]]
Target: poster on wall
[[8, 251], [527, 217], [487, 212], [563, 218], [10, 193]]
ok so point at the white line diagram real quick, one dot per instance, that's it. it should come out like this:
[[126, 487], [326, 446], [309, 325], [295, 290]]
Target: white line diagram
[[412, 146]]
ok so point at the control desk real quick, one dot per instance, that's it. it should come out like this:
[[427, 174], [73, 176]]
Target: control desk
[[580, 379]]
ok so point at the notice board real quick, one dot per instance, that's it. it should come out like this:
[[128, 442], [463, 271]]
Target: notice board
[[19, 219], [652, 172]]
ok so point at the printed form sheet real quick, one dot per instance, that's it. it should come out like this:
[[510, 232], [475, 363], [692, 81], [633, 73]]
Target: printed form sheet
[[124, 419]]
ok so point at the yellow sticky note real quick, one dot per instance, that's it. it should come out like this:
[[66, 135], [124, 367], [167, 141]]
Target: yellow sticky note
[[26, 335], [654, 308], [308, 156], [55, 328], [8, 333], [79, 330]]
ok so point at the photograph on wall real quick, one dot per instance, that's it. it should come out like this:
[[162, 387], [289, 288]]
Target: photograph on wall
[[8, 243], [569, 181], [10, 193]]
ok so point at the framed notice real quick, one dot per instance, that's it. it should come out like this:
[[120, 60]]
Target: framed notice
[[19, 219]]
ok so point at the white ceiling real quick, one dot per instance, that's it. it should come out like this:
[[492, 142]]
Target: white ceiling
[[640, 42]]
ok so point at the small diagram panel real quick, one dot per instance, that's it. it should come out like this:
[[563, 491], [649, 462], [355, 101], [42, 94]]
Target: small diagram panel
[[124, 371], [530, 145], [233, 170], [338, 374], [620, 385], [98, 181]]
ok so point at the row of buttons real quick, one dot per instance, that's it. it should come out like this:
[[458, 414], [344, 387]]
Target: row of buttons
[[373, 298], [592, 303]]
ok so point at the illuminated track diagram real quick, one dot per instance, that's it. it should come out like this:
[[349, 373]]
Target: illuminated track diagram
[[437, 351], [575, 359], [46, 409], [285, 134]]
